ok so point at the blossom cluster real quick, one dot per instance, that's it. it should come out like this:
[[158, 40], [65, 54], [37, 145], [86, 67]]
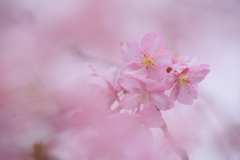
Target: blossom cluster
[[142, 86]]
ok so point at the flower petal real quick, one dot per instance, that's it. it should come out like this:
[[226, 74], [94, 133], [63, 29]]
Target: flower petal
[[130, 101], [169, 80], [151, 117], [104, 96], [112, 76], [136, 70], [175, 92], [130, 52], [198, 73], [130, 84], [153, 43], [164, 60], [156, 74], [151, 85], [193, 91], [161, 101], [185, 96]]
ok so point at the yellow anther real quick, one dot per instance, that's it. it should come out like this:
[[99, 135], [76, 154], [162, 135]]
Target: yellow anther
[[148, 61], [183, 80]]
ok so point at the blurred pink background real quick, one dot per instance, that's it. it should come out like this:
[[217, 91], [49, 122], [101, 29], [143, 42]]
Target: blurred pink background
[[44, 46]]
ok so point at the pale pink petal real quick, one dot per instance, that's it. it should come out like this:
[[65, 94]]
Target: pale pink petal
[[153, 43], [104, 96], [175, 92], [180, 59], [112, 76], [103, 90], [151, 85], [105, 81], [184, 96], [130, 84], [163, 60], [183, 60], [169, 80], [161, 101], [198, 73], [109, 80], [135, 69], [130, 101], [97, 80], [193, 91], [151, 117], [156, 74], [130, 52], [179, 66], [147, 103]]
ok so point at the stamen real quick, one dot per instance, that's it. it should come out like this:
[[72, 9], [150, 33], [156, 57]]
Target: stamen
[[148, 62], [183, 80]]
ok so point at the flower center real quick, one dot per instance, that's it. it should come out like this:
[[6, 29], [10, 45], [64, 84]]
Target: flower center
[[143, 96], [183, 80], [148, 61], [108, 93]]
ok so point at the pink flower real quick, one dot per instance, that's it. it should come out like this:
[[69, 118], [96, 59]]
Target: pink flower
[[181, 61], [148, 60], [146, 92], [185, 89], [105, 88]]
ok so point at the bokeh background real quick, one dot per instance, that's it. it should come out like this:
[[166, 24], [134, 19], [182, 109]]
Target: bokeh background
[[44, 45]]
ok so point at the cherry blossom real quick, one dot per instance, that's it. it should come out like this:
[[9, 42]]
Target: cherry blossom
[[141, 91], [185, 89], [150, 59], [181, 61], [146, 92], [105, 88]]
